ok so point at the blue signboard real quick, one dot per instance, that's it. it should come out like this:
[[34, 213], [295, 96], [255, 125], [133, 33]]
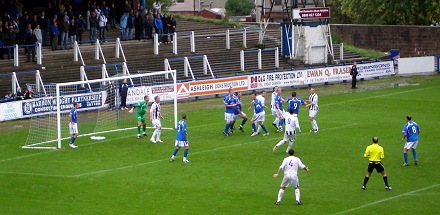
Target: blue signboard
[[286, 37]]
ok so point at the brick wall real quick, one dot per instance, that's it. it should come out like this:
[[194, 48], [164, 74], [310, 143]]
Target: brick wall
[[410, 40]]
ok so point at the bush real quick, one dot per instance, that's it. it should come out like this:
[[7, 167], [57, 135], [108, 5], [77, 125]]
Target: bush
[[239, 7]]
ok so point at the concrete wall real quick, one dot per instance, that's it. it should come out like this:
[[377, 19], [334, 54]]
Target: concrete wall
[[412, 41]]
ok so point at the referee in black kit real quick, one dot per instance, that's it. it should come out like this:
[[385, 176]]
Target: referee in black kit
[[353, 73]]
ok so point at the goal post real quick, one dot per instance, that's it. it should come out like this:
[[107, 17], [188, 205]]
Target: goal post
[[99, 110]]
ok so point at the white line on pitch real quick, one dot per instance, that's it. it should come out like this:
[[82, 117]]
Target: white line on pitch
[[387, 199]]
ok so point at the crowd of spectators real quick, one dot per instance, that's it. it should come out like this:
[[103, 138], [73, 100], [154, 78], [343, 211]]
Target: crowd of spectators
[[61, 23]]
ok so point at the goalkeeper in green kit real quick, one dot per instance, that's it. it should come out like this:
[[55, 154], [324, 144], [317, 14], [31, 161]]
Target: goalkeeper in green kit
[[142, 108]]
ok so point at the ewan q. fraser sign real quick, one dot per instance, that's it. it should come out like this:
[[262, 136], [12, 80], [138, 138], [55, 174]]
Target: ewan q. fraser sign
[[311, 13]]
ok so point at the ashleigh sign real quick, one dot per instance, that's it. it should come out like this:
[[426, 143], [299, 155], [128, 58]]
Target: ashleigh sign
[[311, 13]]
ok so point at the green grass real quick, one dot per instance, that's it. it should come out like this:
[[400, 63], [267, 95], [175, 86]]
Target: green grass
[[224, 22], [233, 175], [364, 52]]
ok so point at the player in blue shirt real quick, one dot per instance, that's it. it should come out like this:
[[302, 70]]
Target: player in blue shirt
[[279, 110], [230, 101], [259, 116], [294, 103], [411, 132], [181, 140], [73, 125], [239, 113]]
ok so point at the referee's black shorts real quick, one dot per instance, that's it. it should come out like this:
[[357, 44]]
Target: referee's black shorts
[[375, 165]]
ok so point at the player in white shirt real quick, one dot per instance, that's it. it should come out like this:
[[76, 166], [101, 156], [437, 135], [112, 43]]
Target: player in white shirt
[[313, 109], [290, 166], [291, 121], [273, 107], [155, 117]]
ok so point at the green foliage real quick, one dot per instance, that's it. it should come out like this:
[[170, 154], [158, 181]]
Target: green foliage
[[165, 4], [233, 175], [239, 7], [372, 54], [224, 22], [422, 12]]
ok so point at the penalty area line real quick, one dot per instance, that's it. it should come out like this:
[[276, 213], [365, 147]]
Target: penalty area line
[[387, 199]]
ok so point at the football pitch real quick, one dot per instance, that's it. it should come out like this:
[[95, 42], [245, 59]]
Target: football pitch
[[233, 175]]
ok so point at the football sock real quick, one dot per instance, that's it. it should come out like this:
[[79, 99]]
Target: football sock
[[253, 127], [316, 124], [72, 140], [139, 129], [366, 181], [243, 122], [280, 195], [297, 194], [158, 134], [264, 128], [154, 135], [226, 128], [175, 152], [405, 157], [276, 121], [280, 123], [385, 179], [258, 129], [232, 126], [290, 145], [280, 143], [297, 127], [144, 127], [185, 153], [414, 154]]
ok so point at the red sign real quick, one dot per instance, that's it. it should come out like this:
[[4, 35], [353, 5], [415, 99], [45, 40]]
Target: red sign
[[312, 13]]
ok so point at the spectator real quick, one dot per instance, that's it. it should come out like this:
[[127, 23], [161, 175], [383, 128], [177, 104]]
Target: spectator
[[34, 21], [158, 25], [123, 26], [148, 26], [97, 10], [126, 7], [93, 24], [80, 26], [54, 32], [130, 25], [102, 26], [104, 8], [112, 16], [10, 41], [64, 27], [70, 13], [165, 24], [123, 90], [73, 32], [20, 94], [37, 32], [172, 26], [156, 8], [9, 96], [30, 39], [42, 20], [138, 26], [2, 42]]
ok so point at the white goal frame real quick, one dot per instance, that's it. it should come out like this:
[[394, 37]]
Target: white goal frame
[[58, 100]]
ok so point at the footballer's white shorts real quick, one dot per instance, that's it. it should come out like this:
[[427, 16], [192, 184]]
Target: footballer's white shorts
[[411, 145], [229, 117], [156, 123], [73, 128], [181, 143], [289, 136], [260, 117], [241, 115], [290, 180], [312, 113]]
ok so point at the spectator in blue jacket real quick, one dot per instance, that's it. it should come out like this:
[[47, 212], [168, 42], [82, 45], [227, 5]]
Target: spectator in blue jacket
[[55, 32], [123, 26], [158, 24]]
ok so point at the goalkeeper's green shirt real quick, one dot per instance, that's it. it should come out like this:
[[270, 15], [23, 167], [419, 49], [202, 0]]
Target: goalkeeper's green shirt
[[142, 107]]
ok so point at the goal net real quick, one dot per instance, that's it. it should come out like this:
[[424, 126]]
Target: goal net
[[100, 109]]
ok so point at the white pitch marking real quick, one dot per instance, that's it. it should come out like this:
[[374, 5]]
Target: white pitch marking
[[387, 199]]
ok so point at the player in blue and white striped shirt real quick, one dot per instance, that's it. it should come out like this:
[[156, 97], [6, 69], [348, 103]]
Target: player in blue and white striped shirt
[[181, 140], [313, 109], [73, 125], [279, 110], [411, 133]]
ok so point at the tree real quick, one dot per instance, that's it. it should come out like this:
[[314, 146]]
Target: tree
[[165, 4], [386, 12], [239, 7]]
